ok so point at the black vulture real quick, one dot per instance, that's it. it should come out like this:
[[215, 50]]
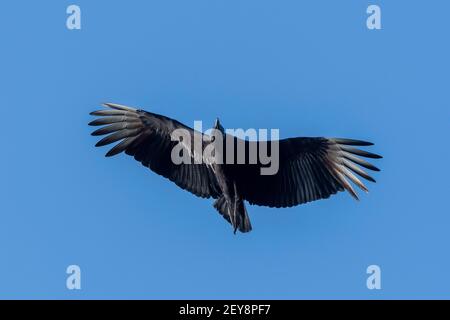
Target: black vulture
[[309, 168]]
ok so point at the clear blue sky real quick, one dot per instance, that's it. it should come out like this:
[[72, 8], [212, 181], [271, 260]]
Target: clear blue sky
[[310, 68]]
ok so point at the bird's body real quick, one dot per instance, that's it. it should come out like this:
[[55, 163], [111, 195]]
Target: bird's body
[[231, 202], [309, 168]]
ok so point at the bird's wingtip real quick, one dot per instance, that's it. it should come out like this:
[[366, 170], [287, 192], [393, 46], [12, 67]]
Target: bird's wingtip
[[117, 106]]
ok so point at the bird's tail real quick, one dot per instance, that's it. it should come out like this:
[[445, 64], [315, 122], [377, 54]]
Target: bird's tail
[[241, 221]]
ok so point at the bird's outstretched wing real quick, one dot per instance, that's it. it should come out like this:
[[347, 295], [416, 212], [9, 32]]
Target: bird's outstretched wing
[[147, 137], [309, 169]]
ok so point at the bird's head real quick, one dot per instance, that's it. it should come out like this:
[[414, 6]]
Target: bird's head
[[218, 126]]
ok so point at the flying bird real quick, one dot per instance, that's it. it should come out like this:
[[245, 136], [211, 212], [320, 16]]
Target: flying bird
[[309, 169]]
